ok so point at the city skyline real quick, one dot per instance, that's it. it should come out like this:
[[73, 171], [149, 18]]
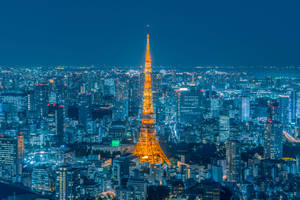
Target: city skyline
[[153, 131]]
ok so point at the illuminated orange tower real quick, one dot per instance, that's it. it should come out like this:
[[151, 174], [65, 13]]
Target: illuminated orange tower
[[148, 148]]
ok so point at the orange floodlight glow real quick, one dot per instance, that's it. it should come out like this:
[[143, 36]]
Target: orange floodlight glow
[[148, 148]]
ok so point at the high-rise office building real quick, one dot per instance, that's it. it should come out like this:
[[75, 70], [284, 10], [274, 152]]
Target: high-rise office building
[[273, 140], [30, 105], [84, 111], [284, 109], [298, 162], [134, 90], [20, 153], [293, 106], [120, 111], [67, 186], [215, 107], [224, 128], [136, 188], [189, 105], [120, 169], [245, 109], [42, 179], [273, 134], [109, 87], [56, 123], [8, 157], [233, 161], [17, 99], [41, 98], [298, 105], [157, 90]]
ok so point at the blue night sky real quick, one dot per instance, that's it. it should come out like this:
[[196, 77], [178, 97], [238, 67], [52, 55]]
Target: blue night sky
[[183, 33]]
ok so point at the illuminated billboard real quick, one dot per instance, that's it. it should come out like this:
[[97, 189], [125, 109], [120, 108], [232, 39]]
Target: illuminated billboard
[[115, 143]]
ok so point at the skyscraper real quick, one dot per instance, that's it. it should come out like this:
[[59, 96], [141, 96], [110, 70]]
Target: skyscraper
[[134, 95], [56, 123], [20, 151], [273, 135], [298, 162], [224, 128], [148, 149], [284, 109], [233, 161], [120, 169], [67, 183], [215, 107], [120, 111], [189, 105], [245, 109], [41, 99], [293, 105], [8, 157]]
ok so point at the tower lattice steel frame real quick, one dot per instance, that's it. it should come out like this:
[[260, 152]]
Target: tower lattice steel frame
[[148, 148]]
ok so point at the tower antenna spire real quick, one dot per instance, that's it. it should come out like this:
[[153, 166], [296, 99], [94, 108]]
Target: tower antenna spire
[[148, 28]]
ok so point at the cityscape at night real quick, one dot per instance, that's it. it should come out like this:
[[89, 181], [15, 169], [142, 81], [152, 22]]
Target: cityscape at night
[[153, 123]]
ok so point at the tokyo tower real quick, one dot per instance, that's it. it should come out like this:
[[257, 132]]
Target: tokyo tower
[[148, 149]]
